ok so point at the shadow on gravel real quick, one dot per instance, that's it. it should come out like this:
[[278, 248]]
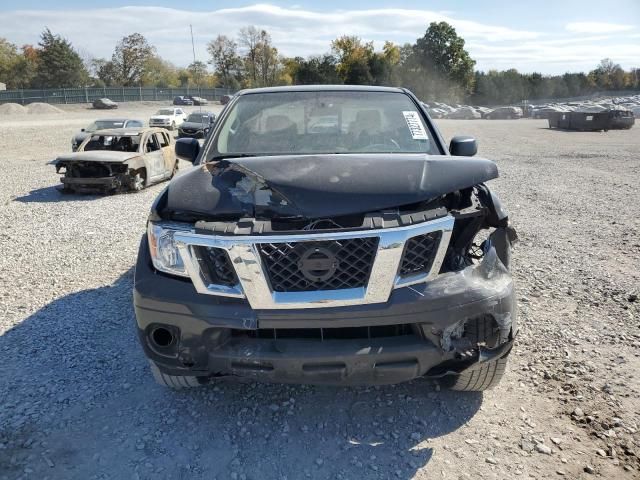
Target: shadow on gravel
[[77, 401], [54, 195]]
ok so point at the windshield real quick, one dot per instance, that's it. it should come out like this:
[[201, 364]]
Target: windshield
[[165, 111], [198, 118], [323, 122], [104, 124], [124, 143]]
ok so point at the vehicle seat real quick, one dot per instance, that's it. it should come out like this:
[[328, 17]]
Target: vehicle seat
[[279, 135], [367, 125], [125, 144]]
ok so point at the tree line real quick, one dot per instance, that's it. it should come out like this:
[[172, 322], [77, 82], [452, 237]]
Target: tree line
[[437, 67]]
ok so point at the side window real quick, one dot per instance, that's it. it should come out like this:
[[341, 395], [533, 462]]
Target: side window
[[179, 111], [162, 139], [134, 123], [152, 144]]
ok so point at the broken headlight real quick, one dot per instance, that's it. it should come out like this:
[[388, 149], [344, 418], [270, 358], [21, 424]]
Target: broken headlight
[[164, 251]]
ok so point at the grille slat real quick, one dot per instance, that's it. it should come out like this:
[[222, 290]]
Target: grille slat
[[344, 263], [419, 253], [215, 266]]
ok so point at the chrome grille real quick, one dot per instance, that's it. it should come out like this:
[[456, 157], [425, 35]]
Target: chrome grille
[[419, 253], [339, 264], [215, 266], [352, 267]]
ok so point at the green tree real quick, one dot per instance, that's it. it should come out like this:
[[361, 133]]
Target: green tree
[[105, 71], [268, 65], [25, 68], [223, 53], [315, 70], [132, 55], [445, 66], [9, 58], [198, 72], [353, 57], [157, 72], [59, 65]]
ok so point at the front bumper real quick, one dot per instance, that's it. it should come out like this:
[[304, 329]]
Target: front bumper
[[91, 184], [197, 134], [216, 335]]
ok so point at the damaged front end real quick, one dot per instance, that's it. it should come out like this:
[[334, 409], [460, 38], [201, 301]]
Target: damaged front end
[[355, 270], [92, 176]]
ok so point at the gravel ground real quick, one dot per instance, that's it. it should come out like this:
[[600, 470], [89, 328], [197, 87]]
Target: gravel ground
[[77, 400]]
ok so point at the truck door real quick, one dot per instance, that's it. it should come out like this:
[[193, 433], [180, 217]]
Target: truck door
[[154, 158]]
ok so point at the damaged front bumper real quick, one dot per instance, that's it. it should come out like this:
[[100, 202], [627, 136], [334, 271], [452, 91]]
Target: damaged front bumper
[[419, 331]]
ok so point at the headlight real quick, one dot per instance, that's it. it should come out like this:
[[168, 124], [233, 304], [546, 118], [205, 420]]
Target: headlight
[[164, 252]]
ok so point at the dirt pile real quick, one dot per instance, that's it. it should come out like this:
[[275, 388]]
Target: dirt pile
[[42, 108], [12, 109]]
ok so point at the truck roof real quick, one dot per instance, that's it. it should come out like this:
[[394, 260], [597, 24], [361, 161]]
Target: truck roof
[[321, 88]]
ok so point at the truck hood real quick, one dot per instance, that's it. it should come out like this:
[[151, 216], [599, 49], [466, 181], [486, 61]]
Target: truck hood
[[195, 125], [160, 117], [97, 156], [319, 186]]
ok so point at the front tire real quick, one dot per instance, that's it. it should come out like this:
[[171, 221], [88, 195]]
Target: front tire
[[174, 382], [138, 181], [487, 375]]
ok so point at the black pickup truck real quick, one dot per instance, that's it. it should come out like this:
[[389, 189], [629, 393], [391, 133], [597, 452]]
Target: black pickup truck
[[327, 235]]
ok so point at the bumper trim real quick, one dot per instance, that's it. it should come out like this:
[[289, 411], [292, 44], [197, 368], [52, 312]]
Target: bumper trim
[[335, 362], [100, 181]]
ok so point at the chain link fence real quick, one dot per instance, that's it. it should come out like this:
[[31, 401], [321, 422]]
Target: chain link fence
[[117, 94]]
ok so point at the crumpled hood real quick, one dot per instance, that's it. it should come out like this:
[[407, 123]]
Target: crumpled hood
[[97, 156], [317, 186]]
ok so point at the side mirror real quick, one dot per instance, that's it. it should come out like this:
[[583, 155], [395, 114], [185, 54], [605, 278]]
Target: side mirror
[[187, 149], [463, 146]]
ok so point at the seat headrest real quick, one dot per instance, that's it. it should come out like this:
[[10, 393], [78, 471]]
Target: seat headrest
[[276, 123]]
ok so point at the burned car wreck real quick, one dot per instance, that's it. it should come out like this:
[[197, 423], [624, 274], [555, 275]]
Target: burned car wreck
[[118, 159], [362, 252]]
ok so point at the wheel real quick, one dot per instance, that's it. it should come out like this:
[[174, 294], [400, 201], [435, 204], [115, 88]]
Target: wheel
[[138, 181], [175, 382], [487, 375], [173, 126]]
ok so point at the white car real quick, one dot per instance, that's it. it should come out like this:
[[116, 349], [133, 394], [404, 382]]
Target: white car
[[169, 117]]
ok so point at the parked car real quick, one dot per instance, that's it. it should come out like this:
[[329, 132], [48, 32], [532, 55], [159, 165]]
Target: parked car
[[504, 112], [170, 117], [197, 100], [464, 113], [197, 125], [118, 159], [103, 124], [366, 253], [104, 104], [182, 100]]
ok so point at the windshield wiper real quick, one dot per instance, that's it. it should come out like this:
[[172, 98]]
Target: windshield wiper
[[227, 156]]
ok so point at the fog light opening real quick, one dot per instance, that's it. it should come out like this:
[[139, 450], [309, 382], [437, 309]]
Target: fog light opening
[[162, 337]]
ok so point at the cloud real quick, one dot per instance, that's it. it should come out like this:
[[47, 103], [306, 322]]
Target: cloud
[[302, 31], [596, 27]]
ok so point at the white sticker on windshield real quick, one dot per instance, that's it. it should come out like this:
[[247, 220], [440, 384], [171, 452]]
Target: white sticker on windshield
[[415, 125]]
